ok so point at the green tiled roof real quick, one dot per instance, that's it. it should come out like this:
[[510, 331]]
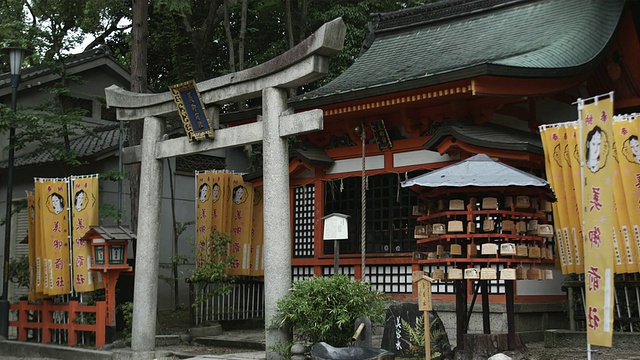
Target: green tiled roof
[[453, 40]]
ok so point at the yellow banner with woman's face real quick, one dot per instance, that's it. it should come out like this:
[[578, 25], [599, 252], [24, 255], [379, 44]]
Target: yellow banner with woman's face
[[257, 239], [241, 224], [626, 130], [625, 251], [553, 145], [221, 198], [84, 214], [55, 234], [204, 205], [598, 207]]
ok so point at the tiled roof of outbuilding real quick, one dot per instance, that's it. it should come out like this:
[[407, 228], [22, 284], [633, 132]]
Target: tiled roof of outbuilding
[[101, 140], [452, 40]]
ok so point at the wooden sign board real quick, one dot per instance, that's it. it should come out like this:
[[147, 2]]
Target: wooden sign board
[[335, 227], [424, 296], [424, 290], [191, 109]]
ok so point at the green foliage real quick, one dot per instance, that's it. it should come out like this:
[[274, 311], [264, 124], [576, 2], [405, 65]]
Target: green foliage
[[282, 349], [18, 206], [176, 260], [213, 259], [19, 271], [110, 212], [127, 313], [85, 318], [416, 336], [325, 309], [113, 175]]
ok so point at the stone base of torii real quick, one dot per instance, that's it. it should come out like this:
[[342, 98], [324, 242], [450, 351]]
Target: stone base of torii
[[306, 62]]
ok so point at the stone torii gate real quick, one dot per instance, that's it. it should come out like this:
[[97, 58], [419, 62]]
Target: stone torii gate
[[306, 62]]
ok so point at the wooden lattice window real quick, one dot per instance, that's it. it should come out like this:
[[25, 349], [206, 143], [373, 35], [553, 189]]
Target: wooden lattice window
[[301, 273], [303, 225], [342, 270], [390, 223], [391, 279]]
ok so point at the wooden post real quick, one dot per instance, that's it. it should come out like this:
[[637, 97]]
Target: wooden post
[[511, 322], [461, 312], [424, 304], [72, 312], [101, 323], [486, 323]]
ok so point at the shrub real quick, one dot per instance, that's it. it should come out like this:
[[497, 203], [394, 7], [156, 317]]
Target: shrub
[[127, 312], [325, 309], [416, 337]]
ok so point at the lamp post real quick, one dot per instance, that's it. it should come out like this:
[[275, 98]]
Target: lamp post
[[16, 57]]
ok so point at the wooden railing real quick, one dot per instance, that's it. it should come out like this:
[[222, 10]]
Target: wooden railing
[[40, 319], [626, 306]]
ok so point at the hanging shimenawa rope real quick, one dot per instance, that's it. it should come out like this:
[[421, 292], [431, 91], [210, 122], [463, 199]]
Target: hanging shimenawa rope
[[364, 201]]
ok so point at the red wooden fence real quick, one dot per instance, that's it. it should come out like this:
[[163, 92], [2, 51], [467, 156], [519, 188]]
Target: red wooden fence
[[45, 322]]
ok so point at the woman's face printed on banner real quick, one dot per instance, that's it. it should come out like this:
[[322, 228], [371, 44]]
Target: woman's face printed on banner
[[216, 192], [203, 192], [631, 149], [79, 200], [594, 149], [239, 194], [57, 203]]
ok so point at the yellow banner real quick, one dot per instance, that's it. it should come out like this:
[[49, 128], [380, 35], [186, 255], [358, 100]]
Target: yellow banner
[[625, 250], [221, 199], [553, 145], [572, 158], [241, 224], [84, 212], [257, 239], [55, 233], [204, 204], [626, 130], [575, 243], [596, 139]]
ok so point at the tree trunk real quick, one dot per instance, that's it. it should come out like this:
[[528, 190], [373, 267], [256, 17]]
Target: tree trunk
[[289, 19], [139, 42], [243, 34], [302, 20], [227, 32]]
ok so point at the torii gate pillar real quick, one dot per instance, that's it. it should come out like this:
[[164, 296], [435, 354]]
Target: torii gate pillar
[[277, 250], [306, 62]]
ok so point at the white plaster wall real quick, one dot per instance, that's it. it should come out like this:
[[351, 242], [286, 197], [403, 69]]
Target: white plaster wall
[[418, 157], [349, 165], [542, 287]]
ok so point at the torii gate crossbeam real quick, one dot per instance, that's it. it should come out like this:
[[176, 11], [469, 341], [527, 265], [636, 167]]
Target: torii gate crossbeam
[[306, 62]]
